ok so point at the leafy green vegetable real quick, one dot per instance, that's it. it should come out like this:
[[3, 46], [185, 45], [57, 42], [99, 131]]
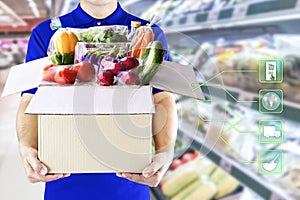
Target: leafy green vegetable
[[116, 38], [105, 36]]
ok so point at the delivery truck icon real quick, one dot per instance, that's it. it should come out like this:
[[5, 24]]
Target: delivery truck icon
[[270, 131]]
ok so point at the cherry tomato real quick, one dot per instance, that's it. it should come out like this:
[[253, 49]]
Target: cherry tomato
[[187, 157], [196, 154], [176, 163]]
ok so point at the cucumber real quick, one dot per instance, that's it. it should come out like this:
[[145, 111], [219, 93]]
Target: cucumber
[[151, 59], [217, 176], [188, 189], [227, 185], [205, 192], [179, 179]]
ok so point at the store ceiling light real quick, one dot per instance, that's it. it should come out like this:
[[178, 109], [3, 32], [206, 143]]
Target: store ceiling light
[[9, 18], [34, 8], [6, 18]]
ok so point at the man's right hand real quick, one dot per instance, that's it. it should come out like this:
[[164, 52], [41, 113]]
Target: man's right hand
[[35, 170], [27, 132]]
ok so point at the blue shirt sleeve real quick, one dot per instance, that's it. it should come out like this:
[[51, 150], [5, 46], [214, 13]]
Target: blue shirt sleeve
[[36, 49]]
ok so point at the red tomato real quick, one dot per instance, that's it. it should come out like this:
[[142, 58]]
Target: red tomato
[[65, 76], [187, 157], [50, 71], [176, 163]]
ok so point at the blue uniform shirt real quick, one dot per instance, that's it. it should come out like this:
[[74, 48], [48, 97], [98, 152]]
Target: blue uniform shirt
[[97, 185]]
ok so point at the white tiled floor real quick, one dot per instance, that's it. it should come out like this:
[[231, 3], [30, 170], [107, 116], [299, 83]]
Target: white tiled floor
[[13, 184]]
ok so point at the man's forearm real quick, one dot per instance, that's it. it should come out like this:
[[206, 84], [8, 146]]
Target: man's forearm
[[165, 122], [27, 125]]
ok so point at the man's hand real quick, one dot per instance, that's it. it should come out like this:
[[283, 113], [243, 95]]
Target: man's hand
[[27, 132], [164, 135], [153, 174], [35, 170]]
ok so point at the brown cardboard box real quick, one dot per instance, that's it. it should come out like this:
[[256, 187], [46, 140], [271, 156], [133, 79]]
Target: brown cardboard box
[[94, 129]]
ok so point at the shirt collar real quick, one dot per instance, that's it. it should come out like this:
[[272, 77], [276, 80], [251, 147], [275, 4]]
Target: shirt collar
[[80, 17]]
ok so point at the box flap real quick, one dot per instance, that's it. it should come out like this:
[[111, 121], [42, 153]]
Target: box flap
[[177, 79], [90, 100], [25, 76]]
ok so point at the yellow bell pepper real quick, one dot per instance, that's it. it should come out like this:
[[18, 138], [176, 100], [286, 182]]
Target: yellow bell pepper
[[66, 42]]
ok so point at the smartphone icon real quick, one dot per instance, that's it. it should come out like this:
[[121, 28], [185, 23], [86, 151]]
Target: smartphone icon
[[271, 68]]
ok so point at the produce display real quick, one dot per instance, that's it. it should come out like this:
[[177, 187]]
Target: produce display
[[212, 58], [104, 56], [174, 8], [246, 144], [197, 178]]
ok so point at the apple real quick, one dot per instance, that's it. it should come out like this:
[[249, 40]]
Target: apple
[[117, 67], [108, 63], [128, 78], [106, 78], [129, 62]]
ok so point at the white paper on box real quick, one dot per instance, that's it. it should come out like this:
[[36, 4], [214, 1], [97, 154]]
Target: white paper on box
[[91, 100], [25, 76], [177, 79]]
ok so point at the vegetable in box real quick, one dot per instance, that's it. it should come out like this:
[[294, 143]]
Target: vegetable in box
[[104, 55]]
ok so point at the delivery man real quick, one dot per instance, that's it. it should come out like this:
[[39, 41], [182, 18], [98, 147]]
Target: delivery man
[[97, 185]]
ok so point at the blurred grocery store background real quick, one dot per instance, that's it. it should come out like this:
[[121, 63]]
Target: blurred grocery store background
[[212, 36]]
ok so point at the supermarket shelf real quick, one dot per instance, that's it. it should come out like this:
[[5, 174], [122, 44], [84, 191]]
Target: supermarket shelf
[[277, 17], [242, 15], [158, 193], [291, 109], [248, 178]]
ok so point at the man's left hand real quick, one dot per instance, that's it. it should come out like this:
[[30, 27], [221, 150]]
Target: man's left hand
[[152, 174]]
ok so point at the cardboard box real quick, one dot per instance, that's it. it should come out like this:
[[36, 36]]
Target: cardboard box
[[88, 129], [85, 129]]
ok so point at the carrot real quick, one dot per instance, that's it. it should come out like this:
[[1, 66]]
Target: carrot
[[143, 37], [147, 39], [136, 43]]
